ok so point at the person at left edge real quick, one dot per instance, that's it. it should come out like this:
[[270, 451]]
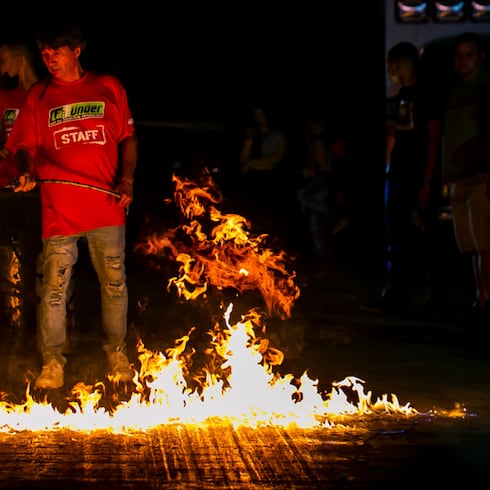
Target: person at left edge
[[16, 62], [78, 126], [20, 215]]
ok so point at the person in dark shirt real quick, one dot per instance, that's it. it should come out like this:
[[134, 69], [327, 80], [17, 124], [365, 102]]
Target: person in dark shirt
[[321, 194], [413, 144]]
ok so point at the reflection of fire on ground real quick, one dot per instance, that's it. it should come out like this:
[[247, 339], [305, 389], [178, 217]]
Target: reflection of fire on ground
[[239, 380]]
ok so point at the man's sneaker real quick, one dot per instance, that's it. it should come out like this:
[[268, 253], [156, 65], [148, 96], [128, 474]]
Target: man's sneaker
[[51, 376], [119, 366]]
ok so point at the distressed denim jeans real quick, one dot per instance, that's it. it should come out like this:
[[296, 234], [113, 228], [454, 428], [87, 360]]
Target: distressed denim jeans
[[106, 247]]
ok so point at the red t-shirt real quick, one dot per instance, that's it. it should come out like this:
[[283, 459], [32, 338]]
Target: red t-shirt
[[73, 131], [11, 101]]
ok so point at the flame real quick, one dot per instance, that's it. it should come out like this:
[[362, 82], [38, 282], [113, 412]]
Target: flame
[[239, 382], [239, 385], [13, 275], [219, 250]]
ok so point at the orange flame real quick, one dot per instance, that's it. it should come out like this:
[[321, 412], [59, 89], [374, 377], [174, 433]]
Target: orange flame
[[216, 249]]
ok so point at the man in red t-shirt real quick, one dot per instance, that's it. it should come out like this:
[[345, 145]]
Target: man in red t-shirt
[[79, 128]]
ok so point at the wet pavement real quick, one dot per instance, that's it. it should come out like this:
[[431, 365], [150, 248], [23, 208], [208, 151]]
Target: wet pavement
[[435, 363]]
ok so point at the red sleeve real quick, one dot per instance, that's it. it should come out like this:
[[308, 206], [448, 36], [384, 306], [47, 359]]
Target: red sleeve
[[23, 134], [127, 123]]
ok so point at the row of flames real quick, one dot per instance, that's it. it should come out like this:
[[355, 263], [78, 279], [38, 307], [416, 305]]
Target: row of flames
[[239, 384]]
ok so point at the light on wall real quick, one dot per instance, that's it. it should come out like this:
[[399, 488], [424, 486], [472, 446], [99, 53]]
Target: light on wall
[[411, 11], [441, 11], [480, 11], [449, 11]]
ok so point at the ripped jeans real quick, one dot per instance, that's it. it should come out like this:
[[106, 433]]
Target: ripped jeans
[[106, 247]]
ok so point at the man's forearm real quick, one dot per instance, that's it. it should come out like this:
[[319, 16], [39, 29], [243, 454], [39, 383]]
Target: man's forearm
[[129, 157]]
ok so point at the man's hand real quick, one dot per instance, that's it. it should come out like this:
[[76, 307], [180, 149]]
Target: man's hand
[[25, 183], [125, 189]]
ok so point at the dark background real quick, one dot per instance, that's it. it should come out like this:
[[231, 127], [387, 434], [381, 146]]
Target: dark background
[[191, 80], [191, 87]]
